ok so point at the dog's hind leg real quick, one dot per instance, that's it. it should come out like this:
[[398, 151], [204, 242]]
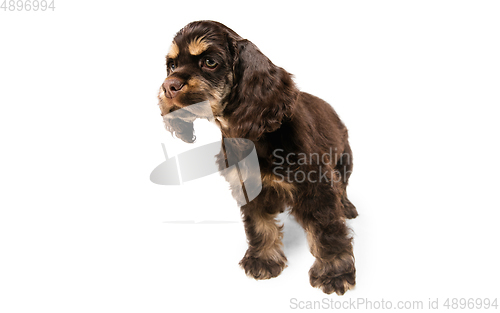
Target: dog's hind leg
[[329, 240]]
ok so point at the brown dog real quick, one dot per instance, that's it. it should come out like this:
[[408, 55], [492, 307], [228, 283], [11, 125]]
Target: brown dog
[[302, 146]]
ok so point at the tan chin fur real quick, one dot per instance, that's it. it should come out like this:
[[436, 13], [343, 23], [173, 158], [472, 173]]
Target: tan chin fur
[[213, 96]]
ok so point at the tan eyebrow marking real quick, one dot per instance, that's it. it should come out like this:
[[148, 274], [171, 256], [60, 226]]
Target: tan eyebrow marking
[[197, 46], [174, 51]]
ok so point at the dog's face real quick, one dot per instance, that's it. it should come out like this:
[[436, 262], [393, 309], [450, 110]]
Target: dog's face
[[200, 67], [207, 61]]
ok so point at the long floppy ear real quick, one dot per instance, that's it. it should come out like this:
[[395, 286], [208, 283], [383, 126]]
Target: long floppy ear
[[263, 94]]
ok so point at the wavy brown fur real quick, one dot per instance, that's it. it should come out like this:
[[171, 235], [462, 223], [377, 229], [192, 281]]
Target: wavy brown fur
[[257, 100]]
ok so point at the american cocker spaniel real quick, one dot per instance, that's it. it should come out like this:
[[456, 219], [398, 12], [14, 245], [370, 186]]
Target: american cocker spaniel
[[302, 147]]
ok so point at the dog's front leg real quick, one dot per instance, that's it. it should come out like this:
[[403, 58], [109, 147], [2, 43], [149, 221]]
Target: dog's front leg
[[264, 258]]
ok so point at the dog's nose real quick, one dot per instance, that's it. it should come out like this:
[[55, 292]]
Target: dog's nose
[[172, 86]]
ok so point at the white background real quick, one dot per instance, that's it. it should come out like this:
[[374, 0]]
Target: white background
[[82, 229]]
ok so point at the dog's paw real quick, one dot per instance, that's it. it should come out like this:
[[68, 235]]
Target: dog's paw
[[330, 277], [260, 268]]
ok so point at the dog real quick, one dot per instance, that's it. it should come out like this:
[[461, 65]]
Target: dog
[[302, 147]]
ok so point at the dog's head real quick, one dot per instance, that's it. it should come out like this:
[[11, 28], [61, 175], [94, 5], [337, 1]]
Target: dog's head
[[208, 61]]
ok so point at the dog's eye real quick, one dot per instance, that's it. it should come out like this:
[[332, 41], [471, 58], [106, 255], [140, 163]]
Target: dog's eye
[[171, 67], [211, 63]]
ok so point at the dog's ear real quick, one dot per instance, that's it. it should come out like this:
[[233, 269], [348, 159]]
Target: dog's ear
[[262, 96]]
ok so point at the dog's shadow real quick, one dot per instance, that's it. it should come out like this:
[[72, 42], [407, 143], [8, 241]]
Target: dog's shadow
[[294, 237]]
